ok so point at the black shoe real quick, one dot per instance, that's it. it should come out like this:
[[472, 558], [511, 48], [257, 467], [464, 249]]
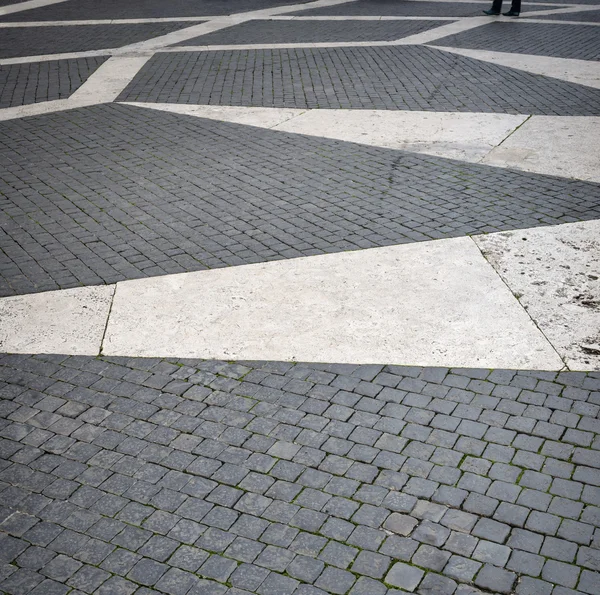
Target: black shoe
[[511, 13], [492, 12]]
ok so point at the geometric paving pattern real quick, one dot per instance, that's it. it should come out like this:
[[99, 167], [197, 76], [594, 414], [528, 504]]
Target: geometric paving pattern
[[540, 39], [28, 41], [396, 8], [32, 82], [256, 31], [106, 193], [74, 10], [396, 78], [214, 478], [133, 476]]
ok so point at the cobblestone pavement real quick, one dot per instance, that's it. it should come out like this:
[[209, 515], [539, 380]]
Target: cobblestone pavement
[[243, 196], [24, 41], [74, 10], [394, 8], [279, 478], [592, 16], [135, 476], [22, 84], [396, 78], [257, 31], [562, 41]]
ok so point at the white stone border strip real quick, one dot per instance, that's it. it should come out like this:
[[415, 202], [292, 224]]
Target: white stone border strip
[[106, 83]]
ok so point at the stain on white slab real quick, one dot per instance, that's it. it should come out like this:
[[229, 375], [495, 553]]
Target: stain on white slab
[[555, 273], [70, 321]]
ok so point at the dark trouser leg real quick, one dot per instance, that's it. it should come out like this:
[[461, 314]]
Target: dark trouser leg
[[497, 5], [516, 6]]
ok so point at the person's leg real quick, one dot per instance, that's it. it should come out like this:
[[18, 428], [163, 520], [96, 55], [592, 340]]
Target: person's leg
[[496, 7], [515, 9]]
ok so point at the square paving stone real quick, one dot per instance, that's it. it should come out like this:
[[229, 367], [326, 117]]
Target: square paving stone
[[404, 576]]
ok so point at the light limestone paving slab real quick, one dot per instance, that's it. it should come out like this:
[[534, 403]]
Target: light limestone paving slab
[[581, 72], [430, 35], [555, 273], [107, 82], [567, 146], [263, 117], [70, 321], [435, 303], [465, 136]]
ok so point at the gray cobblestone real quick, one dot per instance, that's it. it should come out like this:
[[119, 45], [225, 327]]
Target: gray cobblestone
[[256, 527], [92, 266], [462, 569], [495, 579]]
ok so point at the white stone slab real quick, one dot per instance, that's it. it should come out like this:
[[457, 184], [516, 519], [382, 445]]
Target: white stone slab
[[431, 303], [264, 117], [555, 273], [107, 82], [581, 72], [70, 321], [553, 145], [465, 136], [454, 28]]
